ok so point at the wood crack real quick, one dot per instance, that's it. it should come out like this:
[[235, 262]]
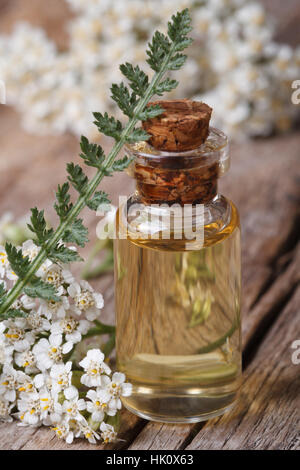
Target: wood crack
[[261, 318], [195, 429], [277, 268], [266, 415], [264, 326]]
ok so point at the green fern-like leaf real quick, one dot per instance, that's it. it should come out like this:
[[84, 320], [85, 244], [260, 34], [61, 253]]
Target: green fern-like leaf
[[63, 204], [164, 54], [39, 226], [159, 47], [13, 313], [19, 263], [179, 27], [138, 80], [122, 163], [108, 125], [99, 198], [151, 112], [137, 135], [177, 61], [166, 86], [125, 100], [92, 154], [43, 290], [63, 254], [77, 233], [77, 177]]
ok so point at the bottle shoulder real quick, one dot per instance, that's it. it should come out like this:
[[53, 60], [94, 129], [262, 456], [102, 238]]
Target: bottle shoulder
[[218, 220]]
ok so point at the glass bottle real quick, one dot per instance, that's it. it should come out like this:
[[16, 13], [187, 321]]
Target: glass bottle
[[177, 292]]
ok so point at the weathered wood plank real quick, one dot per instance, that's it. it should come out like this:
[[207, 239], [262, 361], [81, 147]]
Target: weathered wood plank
[[255, 256], [157, 436], [270, 304], [267, 413], [264, 183], [14, 437], [255, 259], [42, 438]]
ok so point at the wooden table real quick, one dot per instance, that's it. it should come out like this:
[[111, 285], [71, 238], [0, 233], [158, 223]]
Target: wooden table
[[264, 183]]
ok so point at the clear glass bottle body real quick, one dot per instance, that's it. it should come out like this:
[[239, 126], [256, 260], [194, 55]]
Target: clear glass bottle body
[[178, 314]]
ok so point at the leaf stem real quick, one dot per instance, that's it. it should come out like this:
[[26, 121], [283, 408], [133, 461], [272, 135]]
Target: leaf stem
[[100, 329], [219, 342], [110, 345], [90, 190]]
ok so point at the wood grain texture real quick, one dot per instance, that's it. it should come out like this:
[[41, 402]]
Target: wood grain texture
[[268, 221], [155, 436], [267, 413]]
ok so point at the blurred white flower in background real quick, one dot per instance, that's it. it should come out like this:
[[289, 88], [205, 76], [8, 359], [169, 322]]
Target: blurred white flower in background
[[234, 65]]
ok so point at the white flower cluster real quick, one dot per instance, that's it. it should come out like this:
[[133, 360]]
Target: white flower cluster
[[13, 230], [253, 75], [234, 64], [38, 383]]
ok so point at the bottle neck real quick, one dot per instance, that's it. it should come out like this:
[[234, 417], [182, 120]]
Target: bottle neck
[[188, 177]]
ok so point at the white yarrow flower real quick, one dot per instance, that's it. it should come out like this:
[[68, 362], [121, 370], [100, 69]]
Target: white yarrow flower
[[71, 328], [26, 360], [4, 264], [117, 388], [86, 300], [50, 351], [37, 344], [30, 249], [5, 409], [54, 310], [108, 433], [100, 404], [6, 351], [51, 409], [73, 405], [63, 431], [61, 376], [37, 323], [17, 336], [84, 430], [9, 382], [29, 408]]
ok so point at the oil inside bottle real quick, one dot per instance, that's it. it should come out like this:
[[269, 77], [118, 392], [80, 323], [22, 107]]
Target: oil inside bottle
[[178, 324]]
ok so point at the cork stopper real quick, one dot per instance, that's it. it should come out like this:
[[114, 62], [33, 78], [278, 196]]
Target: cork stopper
[[183, 126], [178, 163]]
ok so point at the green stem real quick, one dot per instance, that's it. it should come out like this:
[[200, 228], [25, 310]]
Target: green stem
[[76, 376], [100, 329], [109, 346], [114, 421], [90, 190]]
